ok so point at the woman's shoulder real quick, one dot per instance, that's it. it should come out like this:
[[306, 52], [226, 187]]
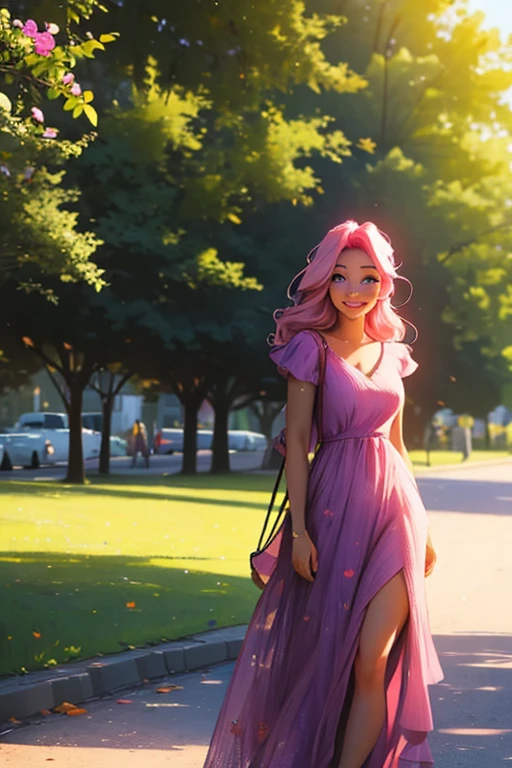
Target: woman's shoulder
[[401, 352], [298, 356]]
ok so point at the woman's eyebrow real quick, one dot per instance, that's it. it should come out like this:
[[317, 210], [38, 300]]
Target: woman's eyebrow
[[367, 266]]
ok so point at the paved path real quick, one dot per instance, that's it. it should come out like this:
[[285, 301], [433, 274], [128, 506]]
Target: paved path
[[469, 597]]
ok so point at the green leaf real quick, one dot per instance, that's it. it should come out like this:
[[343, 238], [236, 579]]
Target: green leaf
[[88, 96], [91, 114], [71, 103], [78, 110], [40, 68], [32, 59], [109, 38], [52, 93], [89, 47]]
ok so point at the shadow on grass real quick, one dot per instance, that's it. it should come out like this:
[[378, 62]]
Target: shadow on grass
[[135, 488], [104, 604], [472, 705]]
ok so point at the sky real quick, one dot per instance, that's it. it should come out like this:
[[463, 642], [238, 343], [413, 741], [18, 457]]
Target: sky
[[498, 13]]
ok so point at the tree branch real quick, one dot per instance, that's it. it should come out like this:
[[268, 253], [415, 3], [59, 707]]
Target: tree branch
[[460, 246]]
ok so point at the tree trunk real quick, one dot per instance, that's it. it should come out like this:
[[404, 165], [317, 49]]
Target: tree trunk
[[266, 413], [106, 405], [220, 446], [189, 464], [76, 470]]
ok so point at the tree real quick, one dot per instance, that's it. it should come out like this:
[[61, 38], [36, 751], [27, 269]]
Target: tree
[[434, 157], [32, 203]]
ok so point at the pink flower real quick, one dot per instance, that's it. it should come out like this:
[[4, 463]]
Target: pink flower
[[17, 23], [76, 89], [50, 133], [30, 28], [52, 28], [45, 43], [348, 573], [68, 78], [37, 114]]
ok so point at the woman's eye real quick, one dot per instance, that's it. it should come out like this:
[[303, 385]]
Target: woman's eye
[[337, 278], [371, 279]]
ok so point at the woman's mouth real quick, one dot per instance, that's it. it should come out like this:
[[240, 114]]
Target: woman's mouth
[[354, 304]]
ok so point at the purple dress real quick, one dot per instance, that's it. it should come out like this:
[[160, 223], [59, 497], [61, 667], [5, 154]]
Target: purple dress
[[364, 513]]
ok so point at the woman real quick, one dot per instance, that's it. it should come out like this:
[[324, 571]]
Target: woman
[[338, 655]]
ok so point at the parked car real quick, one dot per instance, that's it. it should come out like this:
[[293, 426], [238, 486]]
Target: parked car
[[118, 446], [93, 420], [244, 440], [55, 428], [170, 440], [26, 450]]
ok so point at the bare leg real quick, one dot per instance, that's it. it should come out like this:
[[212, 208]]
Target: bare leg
[[385, 618]]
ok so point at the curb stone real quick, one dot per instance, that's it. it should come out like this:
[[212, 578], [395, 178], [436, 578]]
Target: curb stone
[[77, 683]]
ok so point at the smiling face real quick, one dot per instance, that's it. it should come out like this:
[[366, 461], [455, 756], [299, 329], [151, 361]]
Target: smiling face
[[355, 283]]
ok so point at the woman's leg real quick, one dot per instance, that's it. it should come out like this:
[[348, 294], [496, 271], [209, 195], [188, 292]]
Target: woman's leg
[[384, 620]]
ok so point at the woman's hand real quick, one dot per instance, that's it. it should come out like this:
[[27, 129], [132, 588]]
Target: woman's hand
[[304, 557]]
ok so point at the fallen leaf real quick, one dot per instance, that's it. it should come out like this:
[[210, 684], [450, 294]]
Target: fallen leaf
[[13, 720], [124, 701], [76, 711], [64, 707], [45, 712], [130, 605], [169, 688], [37, 635]]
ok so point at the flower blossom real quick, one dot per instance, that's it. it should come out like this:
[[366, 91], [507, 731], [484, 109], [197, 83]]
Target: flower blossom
[[68, 78], [45, 43], [76, 90], [52, 28], [50, 133], [37, 114], [30, 28], [17, 23]]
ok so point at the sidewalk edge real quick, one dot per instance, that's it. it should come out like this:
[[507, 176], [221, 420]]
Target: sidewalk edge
[[78, 683]]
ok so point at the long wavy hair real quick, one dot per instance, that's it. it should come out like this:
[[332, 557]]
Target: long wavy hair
[[309, 290]]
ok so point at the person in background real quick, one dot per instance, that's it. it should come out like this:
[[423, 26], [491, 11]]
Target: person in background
[[140, 442]]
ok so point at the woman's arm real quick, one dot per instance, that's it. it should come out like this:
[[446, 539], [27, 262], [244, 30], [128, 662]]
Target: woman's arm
[[396, 435], [397, 438], [299, 417]]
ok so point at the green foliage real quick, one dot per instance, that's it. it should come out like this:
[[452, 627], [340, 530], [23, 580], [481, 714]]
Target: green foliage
[[42, 237], [31, 72]]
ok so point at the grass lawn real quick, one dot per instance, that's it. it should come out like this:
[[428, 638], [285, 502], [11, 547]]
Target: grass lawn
[[438, 458], [117, 564]]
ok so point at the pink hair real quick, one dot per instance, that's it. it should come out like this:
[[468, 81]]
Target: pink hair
[[313, 308]]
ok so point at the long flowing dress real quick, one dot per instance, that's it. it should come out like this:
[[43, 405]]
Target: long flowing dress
[[294, 675]]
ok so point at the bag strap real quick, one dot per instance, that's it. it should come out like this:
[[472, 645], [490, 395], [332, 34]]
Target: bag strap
[[322, 348]]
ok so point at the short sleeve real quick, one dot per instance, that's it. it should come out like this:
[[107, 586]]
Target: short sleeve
[[406, 365], [299, 356]]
